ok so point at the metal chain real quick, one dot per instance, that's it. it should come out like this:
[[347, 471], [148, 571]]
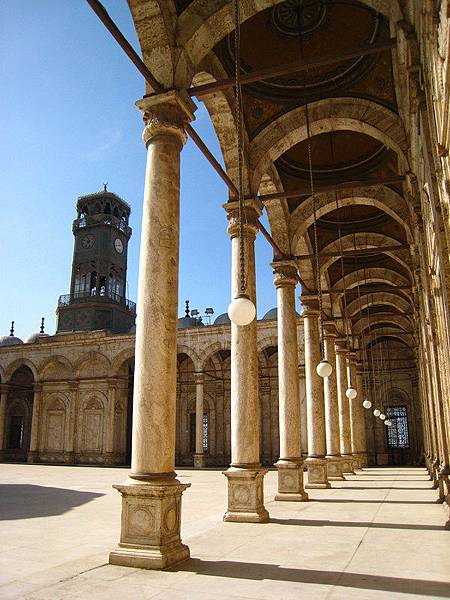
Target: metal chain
[[239, 127]]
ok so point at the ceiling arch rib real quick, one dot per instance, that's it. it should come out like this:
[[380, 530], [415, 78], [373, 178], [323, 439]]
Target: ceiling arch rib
[[367, 300]]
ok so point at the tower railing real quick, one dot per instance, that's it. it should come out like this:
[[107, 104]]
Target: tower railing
[[102, 219], [83, 297]]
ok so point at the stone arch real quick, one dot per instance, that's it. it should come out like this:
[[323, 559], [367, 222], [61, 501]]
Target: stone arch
[[56, 362], [330, 114], [389, 298], [383, 198], [91, 361], [203, 24], [54, 421], [16, 364], [118, 360], [393, 320], [91, 440], [2, 374], [208, 352], [268, 341], [19, 412], [192, 354], [406, 338]]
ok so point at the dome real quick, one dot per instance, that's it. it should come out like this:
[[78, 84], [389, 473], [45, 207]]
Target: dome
[[223, 319], [35, 336], [10, 340], [189, 323], [270, 315]]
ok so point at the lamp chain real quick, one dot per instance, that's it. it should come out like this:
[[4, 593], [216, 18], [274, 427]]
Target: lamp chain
[[239, 127]]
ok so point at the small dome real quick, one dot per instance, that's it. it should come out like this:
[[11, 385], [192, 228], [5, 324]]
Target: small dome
[[132, 329], [10, 340], [35, 336], [189, 323], [223, 319], [270, 315]]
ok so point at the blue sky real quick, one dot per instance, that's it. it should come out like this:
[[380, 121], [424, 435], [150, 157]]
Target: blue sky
[[68, 124]]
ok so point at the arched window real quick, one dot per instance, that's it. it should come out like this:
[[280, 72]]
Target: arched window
[[93, 284]]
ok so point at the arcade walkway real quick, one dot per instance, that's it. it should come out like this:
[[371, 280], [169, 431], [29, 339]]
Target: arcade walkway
[[377, 535]]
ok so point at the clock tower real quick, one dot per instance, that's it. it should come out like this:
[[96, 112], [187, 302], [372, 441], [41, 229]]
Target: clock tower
[[97, 298]]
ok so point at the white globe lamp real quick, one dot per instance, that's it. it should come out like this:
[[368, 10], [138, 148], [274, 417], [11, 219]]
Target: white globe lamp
[[351, 393], [241, 310], [388, 422], [367, 404], [382, 417], [324, 369], [377, 412]]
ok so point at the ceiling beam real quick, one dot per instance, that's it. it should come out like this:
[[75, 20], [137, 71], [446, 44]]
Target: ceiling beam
[[372, 290], [356, 253], [335, 187], [293, 67]]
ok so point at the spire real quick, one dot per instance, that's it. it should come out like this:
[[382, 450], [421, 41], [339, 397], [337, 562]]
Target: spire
[[187, 308], [104, 187], [11, 333], [42, 325]]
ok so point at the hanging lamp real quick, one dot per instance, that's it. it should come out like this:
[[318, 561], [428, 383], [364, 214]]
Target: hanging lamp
[[241, 309]]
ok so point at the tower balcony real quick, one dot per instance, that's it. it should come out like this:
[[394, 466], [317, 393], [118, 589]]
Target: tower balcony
[[102, 219], [107, 298]]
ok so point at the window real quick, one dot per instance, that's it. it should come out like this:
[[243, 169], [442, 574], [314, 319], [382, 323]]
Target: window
[[93, 283], [398, 433], [205, 432], [192, 431]]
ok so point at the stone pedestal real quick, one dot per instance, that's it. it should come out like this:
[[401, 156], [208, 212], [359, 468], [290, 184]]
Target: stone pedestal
[[334, 468], [290, 465], [344, 409], [150, 528], [199, 461], [317, 473], [347, 464], [246, 495], [290, 481]]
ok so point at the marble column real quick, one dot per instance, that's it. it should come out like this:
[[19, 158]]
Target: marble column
[[315, 406], [344, 409], [71, 424], [353, 409], [245, 475], [3, 400], [33, 452], [112, 395], [359, 441], [290, 463], [199, 456], [151, 497], [333, 456]]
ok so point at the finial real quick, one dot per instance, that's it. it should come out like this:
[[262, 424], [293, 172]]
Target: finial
[[187, 308], [11, 333], [42, 325], [104, 187]]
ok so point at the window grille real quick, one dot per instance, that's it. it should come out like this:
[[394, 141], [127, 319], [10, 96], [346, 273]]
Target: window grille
[[398, 432], [205, 432]]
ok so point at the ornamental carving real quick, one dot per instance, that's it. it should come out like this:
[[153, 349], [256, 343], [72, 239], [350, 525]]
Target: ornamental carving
[[250, 222], [160, 124], [285, 275]]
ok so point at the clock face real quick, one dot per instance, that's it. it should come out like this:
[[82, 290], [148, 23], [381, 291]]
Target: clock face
[[88, 242], [118, 246]]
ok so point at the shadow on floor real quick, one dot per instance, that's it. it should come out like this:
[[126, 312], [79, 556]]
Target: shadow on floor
[[24, 501], [345, 501], [372, 487], [260, 572], [325, 523]]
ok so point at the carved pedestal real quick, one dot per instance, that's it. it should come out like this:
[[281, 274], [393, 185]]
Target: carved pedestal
[[246, 496], [150, 528], [334, 468], [199, 461], [317, 473], [290, 481], [347, 464], [356, 462], [32, 457]]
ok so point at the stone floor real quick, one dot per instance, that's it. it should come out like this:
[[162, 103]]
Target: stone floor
[[379, 534]]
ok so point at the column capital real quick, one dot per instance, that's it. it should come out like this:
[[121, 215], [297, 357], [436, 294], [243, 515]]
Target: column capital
[[112, 383], [341, 346], [37, 386], [351, 357], [329, 330], [359, 368], [285, 272], [310, 304], [166, 115], [252, 211], [199, 378]]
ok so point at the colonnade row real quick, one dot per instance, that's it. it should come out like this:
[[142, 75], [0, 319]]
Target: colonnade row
[[151, 497]]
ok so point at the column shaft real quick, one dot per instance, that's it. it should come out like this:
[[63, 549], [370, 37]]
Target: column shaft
[[245, 476], [355, 431], [3, 400], [151, 498], [334, 463], [290, 463], [112, 394], [199, 456], [316, 463], [35, 421], [344, 409]]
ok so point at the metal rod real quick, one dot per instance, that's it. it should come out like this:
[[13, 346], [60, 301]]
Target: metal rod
[[104, 17], [343, 185], [300, 65], [384, 314], [360, 252], [373, 289], [278, 252]]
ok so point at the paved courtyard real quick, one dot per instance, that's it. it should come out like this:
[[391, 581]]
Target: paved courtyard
[[379, 534]]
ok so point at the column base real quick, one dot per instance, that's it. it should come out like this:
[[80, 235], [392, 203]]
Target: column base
[[199, 461], [356, 459], [347, 465], [290, 481], [317, 473], [32, 456], [246, 495], [334, 468], [150, 527]]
